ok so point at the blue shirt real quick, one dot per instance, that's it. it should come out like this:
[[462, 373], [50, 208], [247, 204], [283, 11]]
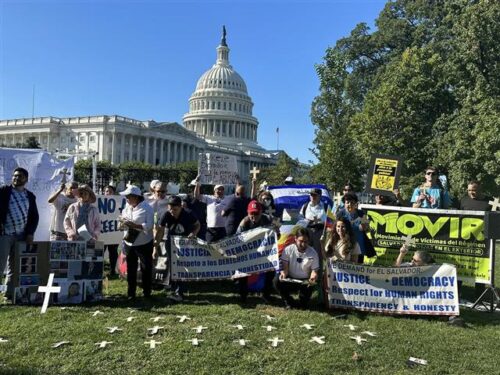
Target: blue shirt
[[439, 198]]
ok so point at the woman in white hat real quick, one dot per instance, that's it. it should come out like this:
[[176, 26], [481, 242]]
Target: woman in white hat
[[83, 213], [138, 219]]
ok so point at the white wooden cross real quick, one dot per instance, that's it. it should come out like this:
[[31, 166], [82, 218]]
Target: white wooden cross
[[242, 342], [64, 173], [183, 318], [359, 340], [154, 330], [195, 341], [113, 329], [132, 310], [199, 329], [157, 319], [3, 340], [275, 341], [409, 242], [130, 318], [97, 312], [342, 316], [152, 343], [254, 172], [269, 328], [60, 343], [48, 290], [268, 317], [351, 327], [372, 334], [318, 339], [239, 326], [103, 344], [338, 199], [418, 360], [307, 326], [494, 204]]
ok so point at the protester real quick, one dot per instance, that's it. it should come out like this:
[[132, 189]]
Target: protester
[[431, 194], [83, 213], [314, 211], [348, 188], [235, 209], [358, 224], [342, 244], [138, 219], [215, 222], [420, 258], [198, 208], [151, 193], [18, 221], [157, 199], [300, 265], [265, 198], [255, 219], [61, 200], [179, 222], [113, 248], [475, 200]]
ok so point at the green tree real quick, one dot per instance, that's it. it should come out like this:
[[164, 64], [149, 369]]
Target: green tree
[[31, 142]]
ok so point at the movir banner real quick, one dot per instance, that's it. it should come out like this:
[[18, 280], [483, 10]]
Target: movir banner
[[250, 252], [426, 290], [450, 236]]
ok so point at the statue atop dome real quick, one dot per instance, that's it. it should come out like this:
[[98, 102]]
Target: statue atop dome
[[223, 40]]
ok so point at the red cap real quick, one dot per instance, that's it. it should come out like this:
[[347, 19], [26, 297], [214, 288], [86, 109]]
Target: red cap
[[254, 207]]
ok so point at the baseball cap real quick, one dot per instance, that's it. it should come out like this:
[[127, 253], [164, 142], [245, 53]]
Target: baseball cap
[[254, 207], [315, 191], [174, 200], [132, 190]]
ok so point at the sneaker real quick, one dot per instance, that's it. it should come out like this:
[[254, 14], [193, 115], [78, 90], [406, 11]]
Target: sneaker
[[176, 297]]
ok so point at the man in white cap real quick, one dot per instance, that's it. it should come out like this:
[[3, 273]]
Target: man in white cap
[[215, 221], [289, 180]]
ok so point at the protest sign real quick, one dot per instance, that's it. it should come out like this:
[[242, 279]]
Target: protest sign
[[44, 179], [110, 207], [426, 290], [217, 169], [383, 176], [450, 236], [250, 252]]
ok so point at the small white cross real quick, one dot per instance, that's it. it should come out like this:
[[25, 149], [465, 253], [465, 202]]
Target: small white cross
[[318, 339], [60, 343], [351, 327], [494, 204], [307, 326], [183, 318], [254, 172], [269, 328], [154, 330], [130, 318], [157, 319], [199, 329], [242, 342], [132, 310], [339, 316], [3, 340], [418, 360], [369, 333], [195, 341], [338, 199], [409, 242], [239, 326], [48, 290], [275, 341], [64, 308], [113, 329], [97, 312], [268, 317], [103, 344], [359, 339], [152, 343]]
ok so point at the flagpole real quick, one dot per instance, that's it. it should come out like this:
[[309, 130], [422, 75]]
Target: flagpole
[[277, 139]]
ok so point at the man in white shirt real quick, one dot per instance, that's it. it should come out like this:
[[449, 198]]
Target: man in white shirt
[[300, 265], [61, 200], [215, 221], [314, 212]]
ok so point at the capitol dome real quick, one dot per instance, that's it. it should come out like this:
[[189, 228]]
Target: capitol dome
[[220, 109]]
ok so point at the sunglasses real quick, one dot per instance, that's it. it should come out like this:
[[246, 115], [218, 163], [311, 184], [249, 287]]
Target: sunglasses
[[430, 173]]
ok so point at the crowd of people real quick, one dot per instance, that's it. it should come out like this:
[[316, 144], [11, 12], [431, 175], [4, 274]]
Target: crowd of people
[[150, 219]]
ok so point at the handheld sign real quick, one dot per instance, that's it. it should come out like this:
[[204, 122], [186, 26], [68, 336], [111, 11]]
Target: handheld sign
[[383, 176], [217, 169]]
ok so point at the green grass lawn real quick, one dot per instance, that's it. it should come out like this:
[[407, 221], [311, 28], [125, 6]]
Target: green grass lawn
[[448, 349]]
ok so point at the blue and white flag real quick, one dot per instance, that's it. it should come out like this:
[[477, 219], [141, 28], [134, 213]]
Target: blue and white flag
[[293, 197]]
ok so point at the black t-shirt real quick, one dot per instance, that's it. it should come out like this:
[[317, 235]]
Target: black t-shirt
[[247, 224], [182, 226], [235, 210], [467, 203]]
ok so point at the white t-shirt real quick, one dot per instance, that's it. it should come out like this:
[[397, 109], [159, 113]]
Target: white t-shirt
[[141, 214], [300, 265], [159, 206], [61, 204], [214, 211], [314, 212]]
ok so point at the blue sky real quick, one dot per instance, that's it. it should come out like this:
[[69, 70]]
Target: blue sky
[[143, 59]]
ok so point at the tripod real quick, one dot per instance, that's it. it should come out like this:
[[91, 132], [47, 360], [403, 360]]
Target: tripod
[[494, 300]]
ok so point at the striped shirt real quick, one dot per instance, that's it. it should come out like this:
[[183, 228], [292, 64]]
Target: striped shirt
[[17, 215]]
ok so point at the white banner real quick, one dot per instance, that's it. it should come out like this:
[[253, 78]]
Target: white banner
[[110, 207], [217, 169], [251, 252], [427, 290], [44, 179]]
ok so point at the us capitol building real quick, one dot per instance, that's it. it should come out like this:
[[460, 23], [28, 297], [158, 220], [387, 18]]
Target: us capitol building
[[219, 120]]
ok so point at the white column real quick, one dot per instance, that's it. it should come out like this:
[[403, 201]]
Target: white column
[[146, 154], [130, 147], [122, 148], [155, 144], [181, 153], [87, 142], [169, 159], [113, 148], [162, 151], [100, 145]]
